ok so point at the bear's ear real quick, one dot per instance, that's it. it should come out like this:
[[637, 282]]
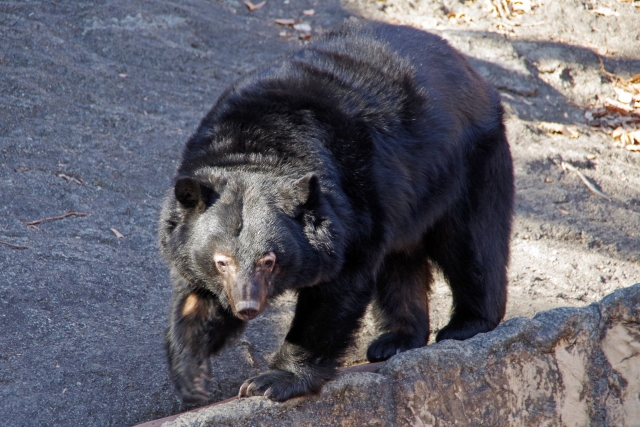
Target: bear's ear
[[307, 191], [187, 192], [192, 193], [300, 195]]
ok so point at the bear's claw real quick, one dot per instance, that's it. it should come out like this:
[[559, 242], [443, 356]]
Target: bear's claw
[[279, 385]]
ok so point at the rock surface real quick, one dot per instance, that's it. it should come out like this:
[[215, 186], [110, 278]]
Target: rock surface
[[564, 367], [97, 99]]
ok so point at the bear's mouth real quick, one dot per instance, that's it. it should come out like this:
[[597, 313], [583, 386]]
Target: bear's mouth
[[247, 310]]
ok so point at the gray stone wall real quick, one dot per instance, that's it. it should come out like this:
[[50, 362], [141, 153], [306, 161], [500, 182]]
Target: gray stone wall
[[565, 367]]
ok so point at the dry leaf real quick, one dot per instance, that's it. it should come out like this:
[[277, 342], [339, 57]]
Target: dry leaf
[[551, 127], [573, 134], [617, 132], [309, 12], [286, 21], [508, 9], [302, 27], [459, 17], [619, 117], [617, 105], [253, 7], [520, 6], [604, 11], [123, 75], [623, 96], [117, 233], [625, 139], [633, 147]]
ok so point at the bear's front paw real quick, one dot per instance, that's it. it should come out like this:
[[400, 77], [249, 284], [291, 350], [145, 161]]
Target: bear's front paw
[[281, 385], [189, 379], [390, 343]]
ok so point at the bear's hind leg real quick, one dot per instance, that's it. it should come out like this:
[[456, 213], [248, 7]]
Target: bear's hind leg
[[471, 245], [479, 293], [479, 297], [401, 305]]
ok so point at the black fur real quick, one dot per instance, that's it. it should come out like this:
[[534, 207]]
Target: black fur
[[357, 164]]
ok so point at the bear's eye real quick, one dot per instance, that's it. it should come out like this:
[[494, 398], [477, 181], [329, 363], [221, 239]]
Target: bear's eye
[[267, 262], [223, 263]]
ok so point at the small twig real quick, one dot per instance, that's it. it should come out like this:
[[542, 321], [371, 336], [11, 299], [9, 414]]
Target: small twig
[[253, 7], [532, 24], [11, 245], [55, 218], [117, 233], [585, 181], [604, 71], [70, 179]]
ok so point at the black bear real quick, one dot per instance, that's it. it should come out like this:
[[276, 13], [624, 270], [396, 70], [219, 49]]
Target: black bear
[[344, 172]]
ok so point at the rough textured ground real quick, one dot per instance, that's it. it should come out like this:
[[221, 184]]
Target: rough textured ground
[[97, 99]]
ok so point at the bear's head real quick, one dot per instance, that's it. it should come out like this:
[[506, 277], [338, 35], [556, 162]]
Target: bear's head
[[247, 237]]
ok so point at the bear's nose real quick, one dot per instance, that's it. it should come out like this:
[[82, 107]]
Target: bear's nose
[[248, 310]]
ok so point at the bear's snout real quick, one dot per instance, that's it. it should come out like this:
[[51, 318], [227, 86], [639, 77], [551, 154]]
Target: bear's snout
[[248, 298], [248, 310], [248, 288]]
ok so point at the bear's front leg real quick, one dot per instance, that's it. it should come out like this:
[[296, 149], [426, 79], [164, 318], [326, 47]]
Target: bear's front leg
[[198, 328], [326, 317]]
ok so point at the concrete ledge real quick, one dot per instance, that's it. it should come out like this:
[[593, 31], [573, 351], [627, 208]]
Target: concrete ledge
[[567, 366]]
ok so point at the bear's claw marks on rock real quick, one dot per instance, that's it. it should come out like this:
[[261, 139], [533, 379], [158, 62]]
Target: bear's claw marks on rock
[[389, 344], [280, 386]]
